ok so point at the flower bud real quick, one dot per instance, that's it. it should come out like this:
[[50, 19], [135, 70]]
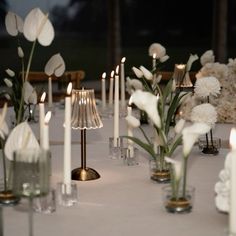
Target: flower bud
[[137, 72], [20, 52], [10, 72], [7, 96], [8, 82]]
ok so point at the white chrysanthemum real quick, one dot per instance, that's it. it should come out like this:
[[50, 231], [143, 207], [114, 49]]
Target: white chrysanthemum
[[207, 86], [157, 49], [132, 85], [205, 113], [207, 57]]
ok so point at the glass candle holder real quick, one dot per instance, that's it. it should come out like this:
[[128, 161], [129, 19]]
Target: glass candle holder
[[67, 195], [211, 146], [115, 150], [130, 156]]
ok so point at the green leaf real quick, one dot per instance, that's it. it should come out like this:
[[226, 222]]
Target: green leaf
[[167, 90], [143, 145]]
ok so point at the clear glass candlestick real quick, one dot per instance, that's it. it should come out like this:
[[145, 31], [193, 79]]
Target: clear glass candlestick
[[115, 148]]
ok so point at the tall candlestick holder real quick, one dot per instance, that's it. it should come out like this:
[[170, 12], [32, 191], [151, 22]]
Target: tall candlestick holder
[[84, 116]]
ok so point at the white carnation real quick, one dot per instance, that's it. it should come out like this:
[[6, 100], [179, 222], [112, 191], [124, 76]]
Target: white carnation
[[207, 86], [204, 113], [157, 49]]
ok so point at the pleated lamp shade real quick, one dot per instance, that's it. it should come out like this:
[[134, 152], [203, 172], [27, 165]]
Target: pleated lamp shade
[[84, 110]]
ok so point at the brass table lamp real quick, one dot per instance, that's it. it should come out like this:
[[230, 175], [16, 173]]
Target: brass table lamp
[[84, 116]]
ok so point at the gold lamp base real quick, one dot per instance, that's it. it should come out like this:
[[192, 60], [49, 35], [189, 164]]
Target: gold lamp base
[[84, 174]]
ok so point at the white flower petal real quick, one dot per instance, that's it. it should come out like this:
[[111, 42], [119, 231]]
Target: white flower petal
[[191, 134], [14, 24], [30, 95], [20, 52], [177, 167], [147, 102], [55, 65], [207, 57], [137, 72], [37, 26], [147, 74], [21, 136], [165, 58], [191, 59]]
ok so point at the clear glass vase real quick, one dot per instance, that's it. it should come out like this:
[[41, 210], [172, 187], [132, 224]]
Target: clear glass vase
[[180, 202], [159, 170]]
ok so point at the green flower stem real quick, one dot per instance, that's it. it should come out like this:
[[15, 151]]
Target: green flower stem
[[4, 166], [20, 113], [185, 160]]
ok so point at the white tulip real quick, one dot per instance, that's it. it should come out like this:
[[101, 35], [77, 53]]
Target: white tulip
[[137, 72], [146, 73], [55, 65]]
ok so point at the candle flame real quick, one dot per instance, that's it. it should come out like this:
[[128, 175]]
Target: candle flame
[[117, 70], [42, 99], [232, 138], [181, 66], [104, 75], [158, 96], [69, 88], [180, 113], [112, 74], [123, 59], [47, 117], [154, 55]]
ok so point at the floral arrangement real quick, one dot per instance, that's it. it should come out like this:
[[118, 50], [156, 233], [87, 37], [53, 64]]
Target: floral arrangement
[[36, 28], [226, 75], [161, 105]]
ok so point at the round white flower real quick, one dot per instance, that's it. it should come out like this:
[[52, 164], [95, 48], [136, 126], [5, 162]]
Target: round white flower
[[207, 57], [157, 49], [132, 85], [205, 113], [207, 86]]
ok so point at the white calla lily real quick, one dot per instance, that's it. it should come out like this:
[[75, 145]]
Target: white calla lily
[[137, 72], [191, 59], [147, 102], [20, 137], [38, 27], [30, 95], [191, 134], [132, 121], [179, 126], [177, 167], [13, 23], [55, 65], [146, 73]]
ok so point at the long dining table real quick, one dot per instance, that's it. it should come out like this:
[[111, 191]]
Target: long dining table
[[124, 201]]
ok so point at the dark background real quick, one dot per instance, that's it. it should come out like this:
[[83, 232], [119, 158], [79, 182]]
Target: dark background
[[182, 27]]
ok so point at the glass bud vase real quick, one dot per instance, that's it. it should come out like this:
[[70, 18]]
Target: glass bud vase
[[159, 170], [178, 202]]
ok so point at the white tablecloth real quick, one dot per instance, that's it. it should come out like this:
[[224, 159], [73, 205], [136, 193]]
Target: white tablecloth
[[124, 201]]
